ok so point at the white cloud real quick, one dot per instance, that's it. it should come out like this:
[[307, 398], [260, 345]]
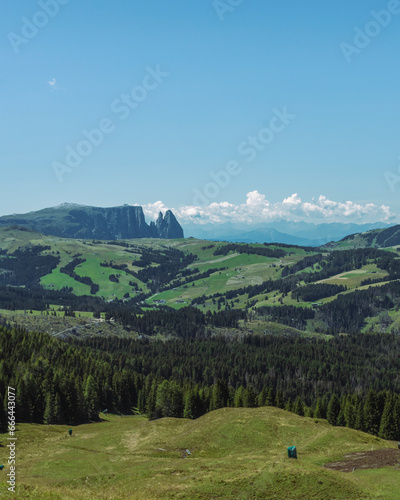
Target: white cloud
[[258, 209], [153, 209], [53, 84], [254, 198]]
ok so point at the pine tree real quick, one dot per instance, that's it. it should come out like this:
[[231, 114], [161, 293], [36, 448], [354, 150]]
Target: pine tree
[[372, 416], [289, 405], [150, 405], [169, 400], [49, 413], [142, 401], [238, 398], [57, 410], [279, 400], [91, 399], [189, 410], [349, 412], [325, 406], [270, 400], [359, 425], [341, 421], [388, 425], [333, 410], [309, 412], [262, 397], [249, 398], [299, 407], [220, 395]]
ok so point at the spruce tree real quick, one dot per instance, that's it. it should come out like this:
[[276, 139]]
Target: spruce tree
[[349, 412], [270, 400], [151, 401], [249, 398], [49, 414], [318, 409], [262, 397], [217, 400], [333, 410], [238, 398], [388, 425], [309, 412], [359, 425], [341, 421], [188, 410], [289, 405], [372, 416], [91, 399], [299, 407], [279, 400]]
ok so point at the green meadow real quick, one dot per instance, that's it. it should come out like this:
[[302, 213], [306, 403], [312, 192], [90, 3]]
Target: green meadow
[[234, 453]]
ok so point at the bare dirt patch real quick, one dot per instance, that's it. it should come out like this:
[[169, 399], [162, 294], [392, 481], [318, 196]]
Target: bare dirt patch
[[374, 459]]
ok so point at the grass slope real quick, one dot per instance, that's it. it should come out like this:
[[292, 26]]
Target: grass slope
[[234, 270], [236, 453]]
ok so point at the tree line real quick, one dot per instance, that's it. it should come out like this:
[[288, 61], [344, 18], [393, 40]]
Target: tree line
[[60, 382]]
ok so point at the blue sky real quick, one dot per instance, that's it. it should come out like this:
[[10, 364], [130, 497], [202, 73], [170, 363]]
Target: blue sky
[[203, 79]]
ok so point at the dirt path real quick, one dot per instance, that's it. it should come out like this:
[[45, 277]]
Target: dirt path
[[374, 459]]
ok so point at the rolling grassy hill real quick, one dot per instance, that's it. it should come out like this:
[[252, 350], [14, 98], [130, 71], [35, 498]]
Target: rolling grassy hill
[[235, 453], [235, 270], [232, 271], [183, 272]]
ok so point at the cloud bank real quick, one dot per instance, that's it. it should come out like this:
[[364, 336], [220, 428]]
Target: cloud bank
[[258, 209]]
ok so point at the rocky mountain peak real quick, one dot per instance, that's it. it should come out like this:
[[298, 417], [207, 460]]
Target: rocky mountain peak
[[79, 221]]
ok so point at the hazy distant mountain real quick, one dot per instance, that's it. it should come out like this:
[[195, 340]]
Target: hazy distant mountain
[[292, 233], [80, 221]]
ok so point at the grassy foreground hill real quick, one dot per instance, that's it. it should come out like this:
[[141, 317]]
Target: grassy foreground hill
[[235, 453]]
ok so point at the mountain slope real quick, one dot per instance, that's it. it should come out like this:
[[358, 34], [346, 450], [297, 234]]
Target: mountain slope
[[377, 238], [79, 221]]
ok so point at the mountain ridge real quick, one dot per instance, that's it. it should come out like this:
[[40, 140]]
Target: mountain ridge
[[70, 220], [376, 238]]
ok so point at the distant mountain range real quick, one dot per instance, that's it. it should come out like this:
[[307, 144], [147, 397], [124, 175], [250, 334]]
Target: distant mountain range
[[79, 221], [291, 233], [125, 222]]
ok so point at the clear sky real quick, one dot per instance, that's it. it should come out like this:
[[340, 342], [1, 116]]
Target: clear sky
[[212, 108]]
